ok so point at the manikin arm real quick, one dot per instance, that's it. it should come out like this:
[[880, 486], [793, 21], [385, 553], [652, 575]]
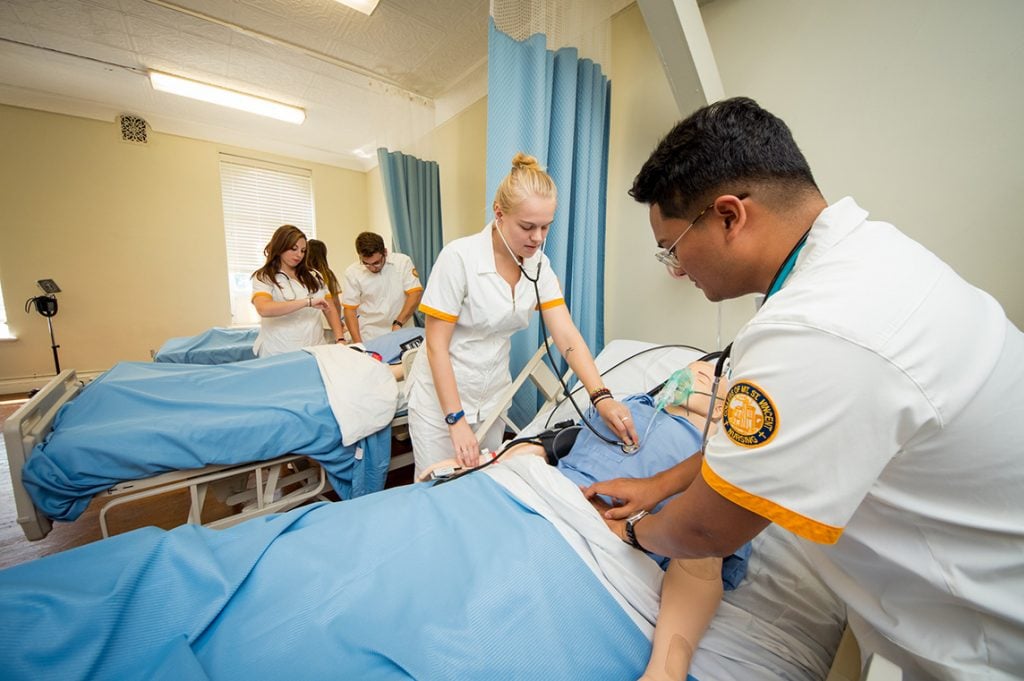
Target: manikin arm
[[690, 595]]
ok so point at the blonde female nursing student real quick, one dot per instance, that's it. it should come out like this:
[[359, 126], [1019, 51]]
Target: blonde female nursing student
[[476, 298], [290, 297]]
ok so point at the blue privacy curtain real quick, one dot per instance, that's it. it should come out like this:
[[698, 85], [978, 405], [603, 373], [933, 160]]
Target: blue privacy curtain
[[412, 189], [554, 106]]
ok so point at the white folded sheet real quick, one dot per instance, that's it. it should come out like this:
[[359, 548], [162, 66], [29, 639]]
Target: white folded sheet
[[362, 392]]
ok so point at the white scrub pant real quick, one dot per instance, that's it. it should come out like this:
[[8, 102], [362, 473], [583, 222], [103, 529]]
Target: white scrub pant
[[432, 443]]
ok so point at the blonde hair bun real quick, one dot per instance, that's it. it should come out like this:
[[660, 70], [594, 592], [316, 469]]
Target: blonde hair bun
[[523, 161], [527, 178]]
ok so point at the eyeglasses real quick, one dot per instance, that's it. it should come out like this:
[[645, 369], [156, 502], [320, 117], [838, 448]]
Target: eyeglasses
[[667, 256], [375, 265]]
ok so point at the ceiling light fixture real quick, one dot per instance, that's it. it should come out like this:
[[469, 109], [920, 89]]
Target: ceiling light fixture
[[364, 6], [229, 98]]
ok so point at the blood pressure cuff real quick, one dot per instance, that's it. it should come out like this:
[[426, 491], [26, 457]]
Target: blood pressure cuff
[[557, 442]]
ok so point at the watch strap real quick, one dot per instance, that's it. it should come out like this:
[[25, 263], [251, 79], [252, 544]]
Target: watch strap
[[631, 529]]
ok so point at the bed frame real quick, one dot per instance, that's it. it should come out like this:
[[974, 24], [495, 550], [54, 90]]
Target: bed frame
[[258, 488], [538, 373]]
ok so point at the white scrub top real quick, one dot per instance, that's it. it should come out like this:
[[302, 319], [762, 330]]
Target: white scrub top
[[295, 330], [874, 409], [465, 288], [379, 296]]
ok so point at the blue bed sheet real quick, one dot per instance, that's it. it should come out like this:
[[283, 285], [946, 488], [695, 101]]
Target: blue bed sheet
[[222, 346], [389, 346], [459, 581], [214, 346], [140, 419]]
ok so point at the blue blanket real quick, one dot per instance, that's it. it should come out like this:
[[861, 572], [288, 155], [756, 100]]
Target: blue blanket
[[221, 346], [459, 581], [214, 346], [141, 419], [392, 345]]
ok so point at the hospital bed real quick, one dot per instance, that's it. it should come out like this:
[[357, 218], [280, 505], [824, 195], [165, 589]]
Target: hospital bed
[[243, 433], [503, 574], [223, 345]]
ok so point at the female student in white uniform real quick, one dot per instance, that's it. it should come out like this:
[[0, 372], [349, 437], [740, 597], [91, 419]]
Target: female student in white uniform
[[290, 298], [476, 298]]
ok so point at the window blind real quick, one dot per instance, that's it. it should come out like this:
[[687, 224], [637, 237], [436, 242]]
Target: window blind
[[258, 198]]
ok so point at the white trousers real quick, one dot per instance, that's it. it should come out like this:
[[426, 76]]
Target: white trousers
[[431, 442]]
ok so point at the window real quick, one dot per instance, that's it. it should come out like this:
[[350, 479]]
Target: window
[[258, 198], [5, 332]]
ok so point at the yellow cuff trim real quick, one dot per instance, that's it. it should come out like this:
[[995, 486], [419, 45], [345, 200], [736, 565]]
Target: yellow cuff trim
[[551, 303], [437, 314], [350, 307], [261, 294], [792, 521], [414, 290]]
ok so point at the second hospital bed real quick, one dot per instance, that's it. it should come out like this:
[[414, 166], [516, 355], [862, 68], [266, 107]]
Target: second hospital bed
[[142, 429]]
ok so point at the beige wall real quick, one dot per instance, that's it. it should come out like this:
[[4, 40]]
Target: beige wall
[[133, 235], [459, 146], [911, 107]]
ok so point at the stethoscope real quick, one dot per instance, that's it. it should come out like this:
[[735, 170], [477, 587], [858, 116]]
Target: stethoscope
[[291, 286], [626, 448]]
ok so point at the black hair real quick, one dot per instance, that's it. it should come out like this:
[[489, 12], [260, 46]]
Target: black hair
[[733, 145]]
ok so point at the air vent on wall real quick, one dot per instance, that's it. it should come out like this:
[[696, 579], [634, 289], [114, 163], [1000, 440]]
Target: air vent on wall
[[133, 129]]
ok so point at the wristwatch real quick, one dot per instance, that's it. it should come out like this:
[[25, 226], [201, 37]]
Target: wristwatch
[[453, 418], [631, 522], [395, 322]]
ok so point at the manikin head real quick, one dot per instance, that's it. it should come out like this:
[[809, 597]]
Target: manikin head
[[698, 404]]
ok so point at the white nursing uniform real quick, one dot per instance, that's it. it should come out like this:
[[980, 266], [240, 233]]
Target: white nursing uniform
[[466, 289], [875, 409], [295, 330], [378, 297]]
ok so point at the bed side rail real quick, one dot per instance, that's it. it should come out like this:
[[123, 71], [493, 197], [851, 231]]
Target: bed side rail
[[26, 428]]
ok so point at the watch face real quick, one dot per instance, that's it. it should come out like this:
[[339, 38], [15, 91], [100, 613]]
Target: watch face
[[452, 419]]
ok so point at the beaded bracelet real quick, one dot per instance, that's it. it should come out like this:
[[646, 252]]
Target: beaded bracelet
[[596, 395], [599, 398]]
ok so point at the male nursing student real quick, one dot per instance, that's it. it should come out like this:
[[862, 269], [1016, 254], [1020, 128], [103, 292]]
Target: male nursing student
[[873, 408], [381, 291]]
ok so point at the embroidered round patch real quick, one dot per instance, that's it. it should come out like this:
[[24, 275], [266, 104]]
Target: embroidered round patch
[[750, 419], [415, 273]]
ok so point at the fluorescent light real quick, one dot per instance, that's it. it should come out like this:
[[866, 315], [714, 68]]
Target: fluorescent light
[[229, 98], [364, 6]]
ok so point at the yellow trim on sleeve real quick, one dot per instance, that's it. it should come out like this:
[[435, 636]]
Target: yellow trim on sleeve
[[437, 314], [350, 307], [792, 521], [414, 289], [551, 303], [262, 294]]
